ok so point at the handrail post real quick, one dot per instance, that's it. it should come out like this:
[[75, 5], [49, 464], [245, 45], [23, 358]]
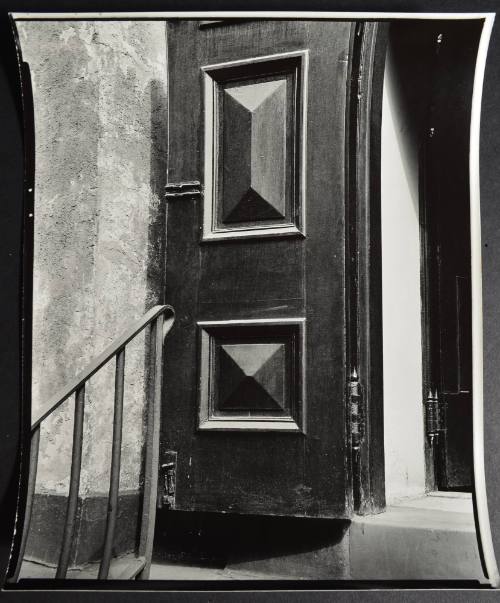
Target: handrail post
[[152, 452], [74, 486], [155, 318], [33, 466], [114, 482]]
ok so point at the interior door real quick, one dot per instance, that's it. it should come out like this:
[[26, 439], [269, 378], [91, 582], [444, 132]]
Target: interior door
[[449, 256], [254, 386]]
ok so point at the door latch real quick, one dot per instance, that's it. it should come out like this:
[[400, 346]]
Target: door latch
[[168, 469], [179, 190]]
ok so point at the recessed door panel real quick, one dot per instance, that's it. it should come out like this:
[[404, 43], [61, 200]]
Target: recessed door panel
[[252, 375], [254, 140]]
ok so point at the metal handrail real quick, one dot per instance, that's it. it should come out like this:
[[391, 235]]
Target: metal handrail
[[161, 319], [120, 342]]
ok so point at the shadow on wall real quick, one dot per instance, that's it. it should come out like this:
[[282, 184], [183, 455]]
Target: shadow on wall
[[155, 271], [157, 182], [409, 73]]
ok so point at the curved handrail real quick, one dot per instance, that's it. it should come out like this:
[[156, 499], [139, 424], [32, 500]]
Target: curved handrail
[[119, 343], [161, 319]]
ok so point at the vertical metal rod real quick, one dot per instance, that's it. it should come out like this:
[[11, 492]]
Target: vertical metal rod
[[35, 443], [74, 484], [152, 451], [114, 482]]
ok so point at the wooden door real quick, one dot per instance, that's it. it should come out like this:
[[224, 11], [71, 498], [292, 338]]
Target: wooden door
[[255, 377], [448, 254]]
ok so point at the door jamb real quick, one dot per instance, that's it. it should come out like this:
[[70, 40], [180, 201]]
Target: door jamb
[[364, 268]]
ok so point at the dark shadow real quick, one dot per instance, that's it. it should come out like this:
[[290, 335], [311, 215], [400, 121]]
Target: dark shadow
[[17, 183], [157, 230], [157, 181], [216, 539], [410, 68]]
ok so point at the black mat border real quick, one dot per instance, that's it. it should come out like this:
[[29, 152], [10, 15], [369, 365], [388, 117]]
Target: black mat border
[[10, 275]]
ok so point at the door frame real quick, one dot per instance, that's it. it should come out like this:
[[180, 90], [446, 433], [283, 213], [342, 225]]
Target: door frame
[[364, 369]]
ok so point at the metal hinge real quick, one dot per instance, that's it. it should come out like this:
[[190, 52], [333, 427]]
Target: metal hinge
[[356, 410], [434, 416], [168, 470], [176, 190]]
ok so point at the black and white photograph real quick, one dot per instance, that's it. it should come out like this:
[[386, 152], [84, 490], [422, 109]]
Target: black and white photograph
[[253, 340]]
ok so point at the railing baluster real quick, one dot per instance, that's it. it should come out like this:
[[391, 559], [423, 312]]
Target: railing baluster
[[114, 482], [159, 328], [111, 351], [152, 451], [74, 485], [33, 465]]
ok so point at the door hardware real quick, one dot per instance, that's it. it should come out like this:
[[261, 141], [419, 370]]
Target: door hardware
[[168, 480], [176, 190]]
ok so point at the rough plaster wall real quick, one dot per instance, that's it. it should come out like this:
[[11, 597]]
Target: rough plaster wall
[[100, 120]]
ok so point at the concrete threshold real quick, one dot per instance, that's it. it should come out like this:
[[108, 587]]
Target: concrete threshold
[[431, 537], [176, 571]]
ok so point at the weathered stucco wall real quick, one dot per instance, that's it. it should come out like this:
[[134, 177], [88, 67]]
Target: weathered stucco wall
[[100, 122]]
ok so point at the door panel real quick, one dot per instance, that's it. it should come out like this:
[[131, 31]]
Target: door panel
[[254, 402], [254, 141]]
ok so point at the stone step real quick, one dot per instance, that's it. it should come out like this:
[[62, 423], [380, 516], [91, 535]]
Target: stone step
[[431, 538], [121, 568]]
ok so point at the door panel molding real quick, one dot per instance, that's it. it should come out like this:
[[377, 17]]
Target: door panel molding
[[254, 105], [252, 375]]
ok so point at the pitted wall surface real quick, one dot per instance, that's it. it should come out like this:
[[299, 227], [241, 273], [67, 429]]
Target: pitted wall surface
[[100, 105]]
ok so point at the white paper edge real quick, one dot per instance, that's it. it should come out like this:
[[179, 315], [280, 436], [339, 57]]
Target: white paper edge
[[248, 14], [477, 315]]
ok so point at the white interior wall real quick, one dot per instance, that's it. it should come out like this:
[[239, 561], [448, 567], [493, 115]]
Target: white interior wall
[[402, 347]]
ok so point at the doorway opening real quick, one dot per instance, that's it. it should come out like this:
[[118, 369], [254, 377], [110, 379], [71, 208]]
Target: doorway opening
[[426, 258]]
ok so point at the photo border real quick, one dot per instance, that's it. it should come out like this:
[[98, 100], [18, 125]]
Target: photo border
[[477, 247]]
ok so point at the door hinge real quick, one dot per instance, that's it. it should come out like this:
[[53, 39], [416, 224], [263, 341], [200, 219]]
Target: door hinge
[[176, 190], [356, 410], [167, 481], [434, 416]]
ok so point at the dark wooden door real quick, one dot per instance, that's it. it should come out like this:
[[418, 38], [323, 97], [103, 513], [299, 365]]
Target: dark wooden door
[[254, 386], [447, 221]]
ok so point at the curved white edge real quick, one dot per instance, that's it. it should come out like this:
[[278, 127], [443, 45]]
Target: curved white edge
[[18, 16], [485, 536]]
